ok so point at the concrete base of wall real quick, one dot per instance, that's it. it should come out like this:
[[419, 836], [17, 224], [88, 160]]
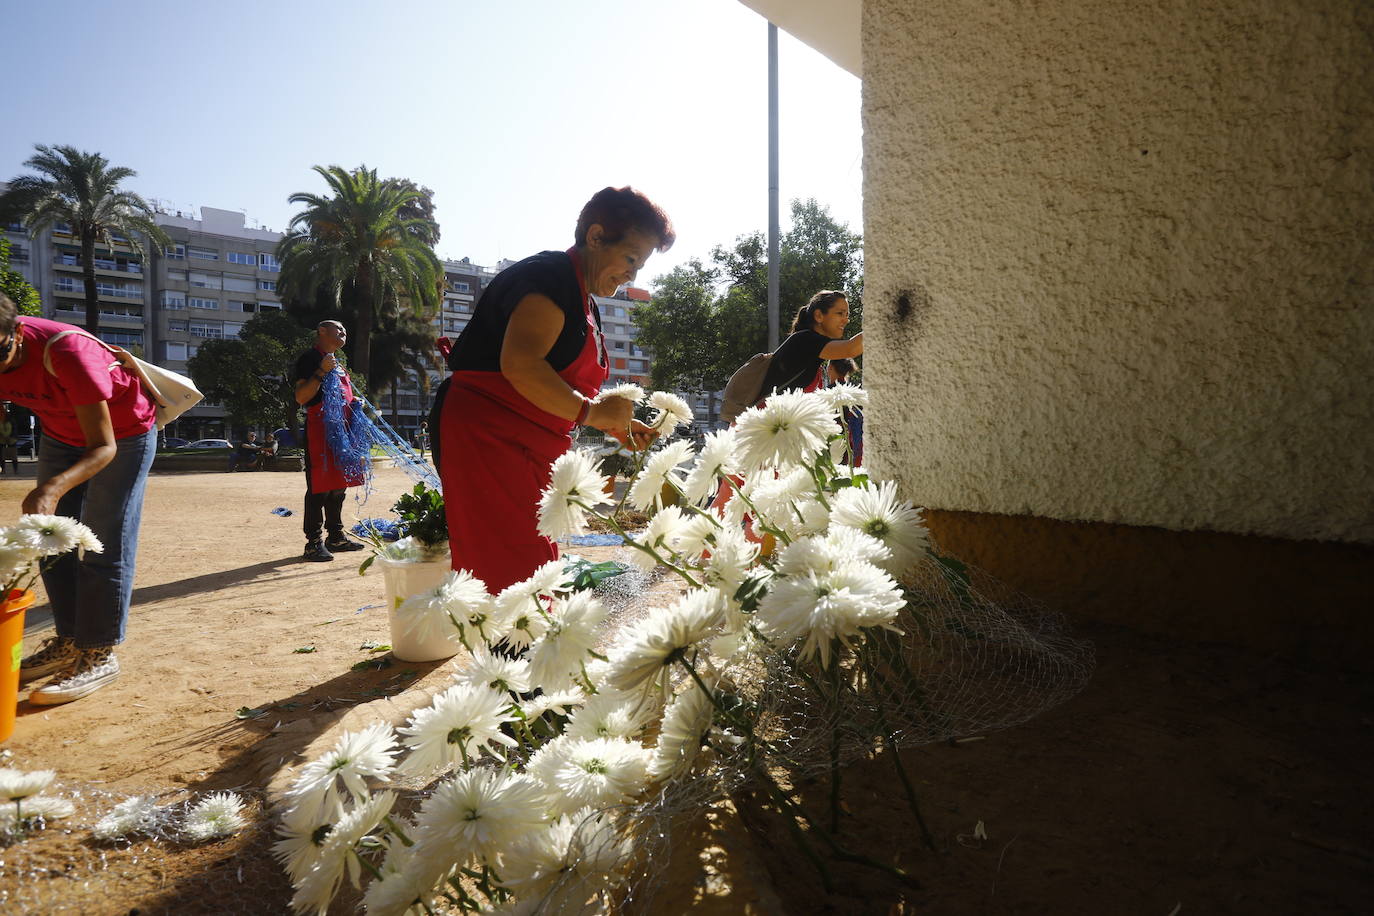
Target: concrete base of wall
[[1304, 599]]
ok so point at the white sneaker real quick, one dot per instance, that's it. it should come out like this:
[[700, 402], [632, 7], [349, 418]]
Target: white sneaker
[[58, 653], [94, 669]]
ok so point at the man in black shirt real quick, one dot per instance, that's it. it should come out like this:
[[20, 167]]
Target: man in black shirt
[[325, 482]]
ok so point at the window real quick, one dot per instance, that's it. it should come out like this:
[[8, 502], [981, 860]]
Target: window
[[461, 287], [175, 252], [206, 281], [242, 306], [65, 284], [118, 290], [19, 254], [268, 262], [121, 338], [231, 329], [213, 330], [196, 303], [177, 324], [269, 285], [205, 254], [618, 345], [175, 350], [269, 305], [239, 284], [191, 350], [239, 257], [173, 300], [174, 274]]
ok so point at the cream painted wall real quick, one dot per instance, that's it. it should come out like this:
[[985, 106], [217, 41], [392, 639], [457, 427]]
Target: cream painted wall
[[1134, 245]]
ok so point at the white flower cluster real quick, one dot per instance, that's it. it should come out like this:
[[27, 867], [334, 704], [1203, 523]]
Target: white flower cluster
[[36, 538], [531, 792]]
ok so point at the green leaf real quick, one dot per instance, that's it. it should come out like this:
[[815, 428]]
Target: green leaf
[[248, 712], [373, 646], [303, 650]]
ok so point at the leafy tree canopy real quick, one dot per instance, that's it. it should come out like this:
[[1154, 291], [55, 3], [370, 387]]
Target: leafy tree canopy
[[705, 321], [251, 376]]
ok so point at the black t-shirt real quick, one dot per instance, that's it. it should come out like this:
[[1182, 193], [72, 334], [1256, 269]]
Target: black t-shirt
[[550, 273], [306, 366], [795, 362]]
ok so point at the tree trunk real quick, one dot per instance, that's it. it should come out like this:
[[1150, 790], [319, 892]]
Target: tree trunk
[[88, 278], [362, 334]]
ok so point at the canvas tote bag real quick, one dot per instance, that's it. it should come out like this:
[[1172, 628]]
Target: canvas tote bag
[[171, 392]]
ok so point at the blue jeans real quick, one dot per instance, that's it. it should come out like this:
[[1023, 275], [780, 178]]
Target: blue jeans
[[90, 597]]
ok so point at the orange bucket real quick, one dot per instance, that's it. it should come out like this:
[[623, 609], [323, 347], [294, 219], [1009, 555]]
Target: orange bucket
[[11, 652]]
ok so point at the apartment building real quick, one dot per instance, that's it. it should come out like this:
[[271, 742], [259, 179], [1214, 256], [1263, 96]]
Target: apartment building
[[217, 273]]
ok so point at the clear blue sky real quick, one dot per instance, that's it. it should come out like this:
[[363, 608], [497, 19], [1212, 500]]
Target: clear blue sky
[[513, 113]]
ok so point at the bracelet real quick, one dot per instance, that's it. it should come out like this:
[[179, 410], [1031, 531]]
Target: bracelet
[[582, 414]]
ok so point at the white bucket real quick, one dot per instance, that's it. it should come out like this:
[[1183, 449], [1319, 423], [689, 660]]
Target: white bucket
[[404, 578]]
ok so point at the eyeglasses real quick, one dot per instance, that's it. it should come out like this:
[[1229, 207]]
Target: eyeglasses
[[7, 347]]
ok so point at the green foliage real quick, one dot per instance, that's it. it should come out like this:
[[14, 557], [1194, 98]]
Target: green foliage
[[82, 190], [251, 376], [421, 513], [13, 284], [366, 252], [700, 334]]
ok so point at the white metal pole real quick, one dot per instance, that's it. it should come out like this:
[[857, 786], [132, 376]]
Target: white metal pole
[[772, 186]]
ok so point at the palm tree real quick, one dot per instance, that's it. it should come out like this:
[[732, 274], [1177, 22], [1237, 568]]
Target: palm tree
[[82, 190], [361, 246]]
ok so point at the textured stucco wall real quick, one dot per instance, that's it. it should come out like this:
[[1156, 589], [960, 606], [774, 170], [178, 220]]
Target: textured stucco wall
[[1119, 263]]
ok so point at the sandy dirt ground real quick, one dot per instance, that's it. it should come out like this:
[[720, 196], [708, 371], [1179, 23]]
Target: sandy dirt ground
[[1185, 779]]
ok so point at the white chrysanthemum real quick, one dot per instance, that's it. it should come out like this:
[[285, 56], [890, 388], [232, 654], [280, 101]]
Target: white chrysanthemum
[[828, 604], [468, 606], [658, 534], [629, 391], [844, 395], [496, 672], [574, 480], [19, 784], [442, 612], [825, 554], [557, 656], [593, 772], [685, 722], [54, 534], [301, 834], [403, 883], [355, 757], [461, 723], [877, 512], [558, 701], [691, 538], [643, 652], [812, 517], [15, 560], [714, 461], [519, 608], [673, 412], [139, 814], [790, 429], [782, 501], [607, 716], [584, 842], [218, 814], [732, 556], [482, 810], [659, 471], [37, 807], [316, 888]]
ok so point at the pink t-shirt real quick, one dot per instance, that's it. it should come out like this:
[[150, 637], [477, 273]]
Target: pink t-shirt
[[83, 376]]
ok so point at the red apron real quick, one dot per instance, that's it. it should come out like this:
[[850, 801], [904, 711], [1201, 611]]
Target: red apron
[[497, 449], [325, 473]]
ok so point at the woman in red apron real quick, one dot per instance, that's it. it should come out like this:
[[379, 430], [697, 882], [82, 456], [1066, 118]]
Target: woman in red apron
[[525, 370]]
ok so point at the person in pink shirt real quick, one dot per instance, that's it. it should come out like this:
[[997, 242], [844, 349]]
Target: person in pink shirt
[[99, 440]]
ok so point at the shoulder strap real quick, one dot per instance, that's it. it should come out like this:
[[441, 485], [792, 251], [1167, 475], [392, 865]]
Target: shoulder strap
[[47, 355]]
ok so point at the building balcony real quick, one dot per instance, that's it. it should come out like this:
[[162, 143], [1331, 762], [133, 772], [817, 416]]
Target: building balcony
[[76, 314], [79, 294], [103, 266]]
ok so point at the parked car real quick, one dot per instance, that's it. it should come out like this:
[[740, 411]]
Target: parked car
[[174, 442], [210, 443]]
